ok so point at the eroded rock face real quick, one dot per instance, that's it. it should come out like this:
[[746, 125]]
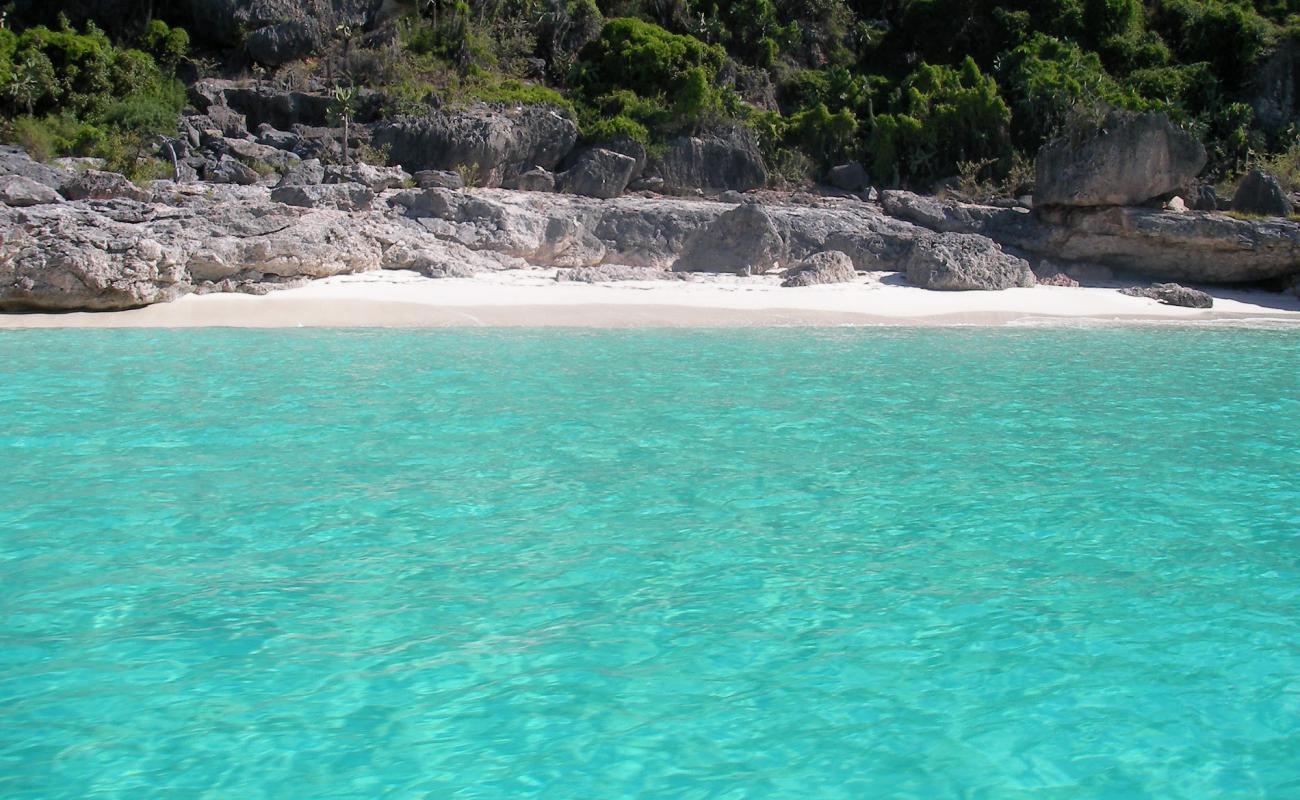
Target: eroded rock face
[[18, 191], [849, 177], [1172, 294], [610, 273], [600, 173], [534, 180], [500, 144], [964, 262], [123, 254], [729, 161], [1261, 193], [96, 185], [1131, 160], [832, 266], [744, 241], [376, 179], [1191, 246], [339, 196]]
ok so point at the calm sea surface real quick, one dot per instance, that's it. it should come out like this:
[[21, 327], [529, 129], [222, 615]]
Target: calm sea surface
[[711, 564]]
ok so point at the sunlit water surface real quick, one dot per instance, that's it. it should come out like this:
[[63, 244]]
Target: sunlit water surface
[[740, 564]]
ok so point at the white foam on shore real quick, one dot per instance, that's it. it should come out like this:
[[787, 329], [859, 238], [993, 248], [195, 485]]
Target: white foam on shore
[[532, 298]]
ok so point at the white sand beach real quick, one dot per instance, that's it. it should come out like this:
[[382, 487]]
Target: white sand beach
[[532, 298]]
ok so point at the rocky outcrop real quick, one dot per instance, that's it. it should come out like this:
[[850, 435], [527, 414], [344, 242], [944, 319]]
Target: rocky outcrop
[[96, 185], [340, 196], [534, 180], [964, 262], [612, 273], [600, 173], [849, 177], [440, 179], [494, 144], [1172, 294], [1191, 246], [744, 241], [15, 161], [1132, 159], [376, 179], [832, 266], [1261, 193], [720, 161], [20, 192]]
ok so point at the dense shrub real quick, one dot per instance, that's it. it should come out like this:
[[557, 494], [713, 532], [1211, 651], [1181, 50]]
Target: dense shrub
[[944, 116]]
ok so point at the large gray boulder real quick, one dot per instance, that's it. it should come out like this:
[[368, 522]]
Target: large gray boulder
[[600, 173], [964, 262], [1172, 294], [495, 143], [1261, 193], [310, 172], [283, 42], [850, 177], [1131, 160], [534, 180], [717, 161], [376, 179], [339, 196], [229, 170], [16, 161], [94, 184], [831, 266], [441, 179], [744, 241], [19, 192]]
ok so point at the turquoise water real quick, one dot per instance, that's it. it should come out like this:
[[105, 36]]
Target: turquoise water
[[741, 564]]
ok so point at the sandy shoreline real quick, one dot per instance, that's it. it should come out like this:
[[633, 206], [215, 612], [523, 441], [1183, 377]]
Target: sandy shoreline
[[531, 298]]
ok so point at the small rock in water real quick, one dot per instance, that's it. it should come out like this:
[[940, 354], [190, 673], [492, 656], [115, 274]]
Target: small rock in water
[[1172, 294]]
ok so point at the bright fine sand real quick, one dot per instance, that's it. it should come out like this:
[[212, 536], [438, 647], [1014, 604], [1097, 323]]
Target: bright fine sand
[[532, 298]]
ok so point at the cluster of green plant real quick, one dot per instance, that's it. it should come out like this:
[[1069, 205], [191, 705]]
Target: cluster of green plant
[[916, 89], [70, 92], [919, 90]]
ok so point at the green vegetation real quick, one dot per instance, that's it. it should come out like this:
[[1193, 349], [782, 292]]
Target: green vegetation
[[69, 92], [918, 90]]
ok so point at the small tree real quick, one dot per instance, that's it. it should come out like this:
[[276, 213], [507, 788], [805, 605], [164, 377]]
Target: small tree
[[33, 79], [341, 110]]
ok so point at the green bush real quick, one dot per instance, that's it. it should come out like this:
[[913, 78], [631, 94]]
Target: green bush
[[943, 116], [166, 44]]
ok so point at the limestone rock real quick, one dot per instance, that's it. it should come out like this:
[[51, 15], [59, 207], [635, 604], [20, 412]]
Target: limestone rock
[[1131, 160], [964, 262], [376, 179], [229, 170], [340, 196], [831, 266], [849, 177], [730, 161], [310, 172], [534, 180], [610, 273], [1261, 193], [16, 161], [437, 178], [1172, 294], [96, 185], [498, 144], [18, 191], [279, 44], [600, 173], [743, 241]]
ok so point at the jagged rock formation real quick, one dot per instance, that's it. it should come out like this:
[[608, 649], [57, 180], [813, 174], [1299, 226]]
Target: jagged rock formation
[[1129, 161], [1171, 294], [1261, 193], [964, 262], [832, 266]]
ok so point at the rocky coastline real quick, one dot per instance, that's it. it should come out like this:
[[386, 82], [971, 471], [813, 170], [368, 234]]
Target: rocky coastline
[[73, 238]]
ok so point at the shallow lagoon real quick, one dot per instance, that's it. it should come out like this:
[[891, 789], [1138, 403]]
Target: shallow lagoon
[[980, 563]]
